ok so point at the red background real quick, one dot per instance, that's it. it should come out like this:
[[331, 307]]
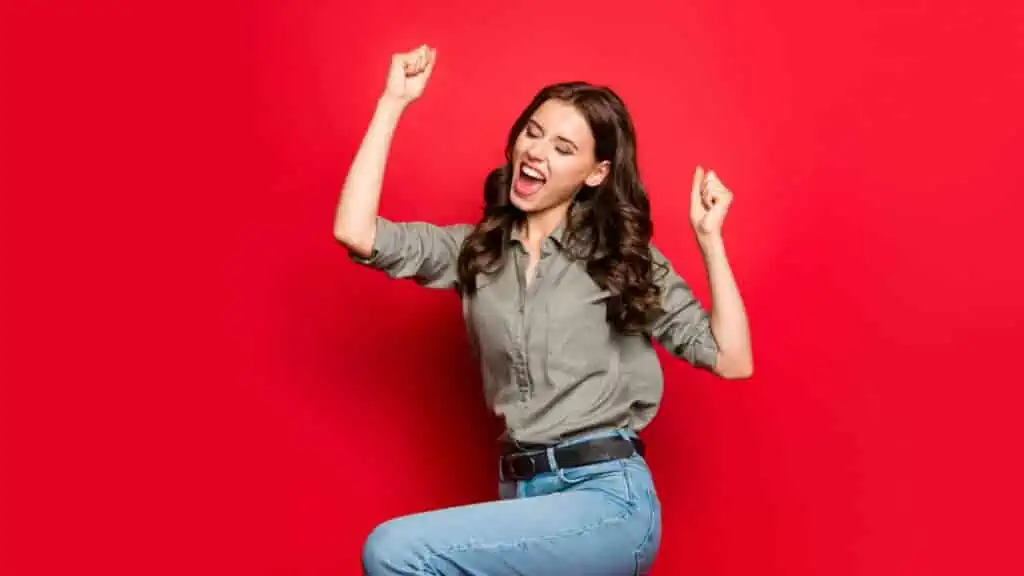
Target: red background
[[196, 379]]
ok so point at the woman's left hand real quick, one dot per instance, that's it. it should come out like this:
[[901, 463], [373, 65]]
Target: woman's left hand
[[709, 203]]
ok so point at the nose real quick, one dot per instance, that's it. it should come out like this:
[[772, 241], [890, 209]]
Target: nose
[[536, 152]]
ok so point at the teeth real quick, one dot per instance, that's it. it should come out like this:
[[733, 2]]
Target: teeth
[[532, 173]]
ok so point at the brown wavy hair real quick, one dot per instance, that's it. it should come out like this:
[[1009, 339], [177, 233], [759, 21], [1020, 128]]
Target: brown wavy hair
[[608, 227]]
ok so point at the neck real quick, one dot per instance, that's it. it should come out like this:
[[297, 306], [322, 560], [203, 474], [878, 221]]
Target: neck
[[540, 225]]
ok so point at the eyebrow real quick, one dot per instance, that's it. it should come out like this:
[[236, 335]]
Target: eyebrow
[[562, 138]]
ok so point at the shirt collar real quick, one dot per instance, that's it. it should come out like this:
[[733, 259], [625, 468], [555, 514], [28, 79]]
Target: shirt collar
[[557, 237]]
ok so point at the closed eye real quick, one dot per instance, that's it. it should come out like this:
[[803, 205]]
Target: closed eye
[[565, 146]]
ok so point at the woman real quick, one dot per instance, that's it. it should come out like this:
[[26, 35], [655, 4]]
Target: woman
[[562, 295]]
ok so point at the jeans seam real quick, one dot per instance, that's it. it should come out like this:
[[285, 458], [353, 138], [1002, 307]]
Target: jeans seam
[[630, 509], [649, 533]]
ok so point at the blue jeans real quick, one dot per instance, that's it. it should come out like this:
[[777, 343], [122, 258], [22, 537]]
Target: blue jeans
[[599, 519]]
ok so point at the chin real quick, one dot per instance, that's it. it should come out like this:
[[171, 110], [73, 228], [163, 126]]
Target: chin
[[524, 204], [538, 202]]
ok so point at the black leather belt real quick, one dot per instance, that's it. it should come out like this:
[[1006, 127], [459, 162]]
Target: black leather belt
[[524, 462]]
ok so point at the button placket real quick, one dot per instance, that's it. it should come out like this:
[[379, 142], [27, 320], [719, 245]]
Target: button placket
[[520, 360]]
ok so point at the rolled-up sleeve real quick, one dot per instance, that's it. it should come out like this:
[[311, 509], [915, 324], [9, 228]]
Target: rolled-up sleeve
[[684, 327], [420, 251]]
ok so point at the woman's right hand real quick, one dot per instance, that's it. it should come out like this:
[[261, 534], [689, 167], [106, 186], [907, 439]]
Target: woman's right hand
[[409, 73]]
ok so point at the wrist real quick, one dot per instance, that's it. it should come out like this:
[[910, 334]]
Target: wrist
[[711, 244], [389, 104]]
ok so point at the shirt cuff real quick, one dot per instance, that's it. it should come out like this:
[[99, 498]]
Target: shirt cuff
[[382, 238], [702, 351]]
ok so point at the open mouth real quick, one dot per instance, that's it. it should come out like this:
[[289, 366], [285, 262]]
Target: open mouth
[[528, 180]]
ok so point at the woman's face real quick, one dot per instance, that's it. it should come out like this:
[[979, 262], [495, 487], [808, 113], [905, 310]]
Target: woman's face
[[553, 158]]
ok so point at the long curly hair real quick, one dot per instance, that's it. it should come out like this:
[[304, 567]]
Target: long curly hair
[[608, 226]]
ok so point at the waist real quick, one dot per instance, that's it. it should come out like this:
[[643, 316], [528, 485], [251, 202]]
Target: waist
[[522, 461], [508, 440]]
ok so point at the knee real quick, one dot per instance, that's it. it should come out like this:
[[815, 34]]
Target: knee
[[392, 548]]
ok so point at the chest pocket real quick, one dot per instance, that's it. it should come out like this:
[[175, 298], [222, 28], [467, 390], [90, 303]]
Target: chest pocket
[[578, 333], [487, 314]]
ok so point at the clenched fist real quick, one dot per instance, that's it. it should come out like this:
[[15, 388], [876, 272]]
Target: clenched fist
[[409, 73], [709, 203]]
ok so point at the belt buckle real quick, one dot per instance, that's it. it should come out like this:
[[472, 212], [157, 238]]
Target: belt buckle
[[517, 473]]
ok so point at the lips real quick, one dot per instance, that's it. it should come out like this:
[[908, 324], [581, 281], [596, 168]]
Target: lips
[[532, 172], [528, 180]]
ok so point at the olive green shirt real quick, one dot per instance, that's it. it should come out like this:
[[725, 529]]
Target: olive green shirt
[[552, 366]]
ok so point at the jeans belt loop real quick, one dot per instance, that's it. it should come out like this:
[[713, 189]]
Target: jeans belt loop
[[552, 464]]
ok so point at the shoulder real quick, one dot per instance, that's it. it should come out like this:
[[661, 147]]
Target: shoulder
[[658, 258], [460, 230], [656, 253], [662, 269], [456, 232]]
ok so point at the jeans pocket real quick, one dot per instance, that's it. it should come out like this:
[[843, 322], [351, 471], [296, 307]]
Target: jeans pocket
[[651, 541], [608, 478], [579, 474], [648, 548]]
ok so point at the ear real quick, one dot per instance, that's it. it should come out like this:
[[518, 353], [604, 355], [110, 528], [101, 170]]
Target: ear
[[598, 174]]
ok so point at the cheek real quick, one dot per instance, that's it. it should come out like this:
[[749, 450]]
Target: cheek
[[519, 147], [569, 171]]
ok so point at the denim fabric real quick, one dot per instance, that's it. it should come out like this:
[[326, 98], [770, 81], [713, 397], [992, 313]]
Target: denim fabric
[[594, 520]]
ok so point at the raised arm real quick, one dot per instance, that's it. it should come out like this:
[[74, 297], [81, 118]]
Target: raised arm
[[709, 203], [421, 251], [355, 220], [718, 341], [684, 326]]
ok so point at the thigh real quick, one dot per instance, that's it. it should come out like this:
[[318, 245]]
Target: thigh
[[602, 521]]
